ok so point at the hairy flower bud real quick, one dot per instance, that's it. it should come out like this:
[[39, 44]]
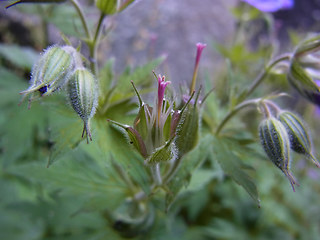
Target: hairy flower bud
[[299, 138], [83, 96], [276, 143], [51, 72], [304, 71]]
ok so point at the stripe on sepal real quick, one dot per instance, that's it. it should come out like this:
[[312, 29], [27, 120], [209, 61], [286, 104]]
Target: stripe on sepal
[[83, 96], [299, 138], [276, 143]]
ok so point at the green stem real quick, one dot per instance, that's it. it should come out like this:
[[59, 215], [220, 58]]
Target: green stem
[[265, 72], [93, 45], [82, 18], [251, 88], [155, 171], [172, 170], [234, 111]]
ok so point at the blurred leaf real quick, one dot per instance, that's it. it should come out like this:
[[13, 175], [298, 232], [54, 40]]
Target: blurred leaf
[[10, 86], [23, 57], [141, 76], [232, 165]]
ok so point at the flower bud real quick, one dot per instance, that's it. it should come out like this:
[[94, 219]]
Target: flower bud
[[304, 71], [299, 138], [51, 72], [276, 143], [83, 96]]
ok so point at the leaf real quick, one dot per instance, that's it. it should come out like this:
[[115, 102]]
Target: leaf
[[65, 132], [141, 76], [23, 57], [189, 164], [77, 174], [112, 141], [232, 165]]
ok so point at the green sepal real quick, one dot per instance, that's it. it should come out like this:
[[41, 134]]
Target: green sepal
[[299, 138], [300, 79], [163, 154], [135, 138], [187, 133]]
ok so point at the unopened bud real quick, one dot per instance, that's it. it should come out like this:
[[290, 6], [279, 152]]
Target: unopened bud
[[299, 138], [304, 71], [276, 143], [83, 96], [51, 72]]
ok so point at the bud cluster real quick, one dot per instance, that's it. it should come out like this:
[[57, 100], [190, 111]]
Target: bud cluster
[[280, 132], [60, 67]]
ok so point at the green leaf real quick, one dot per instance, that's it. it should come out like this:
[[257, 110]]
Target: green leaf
[[189, 164], [65, 131], [23, 57], [141, 76], [112, 141], [232, 165], [164, 153]]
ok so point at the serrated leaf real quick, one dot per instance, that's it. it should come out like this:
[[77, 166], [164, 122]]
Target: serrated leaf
[[232, 165], [23, 57]]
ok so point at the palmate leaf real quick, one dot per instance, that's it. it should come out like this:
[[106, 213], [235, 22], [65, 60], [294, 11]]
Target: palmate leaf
[[190, 162], [233, 166], [77, 174], [21, 129]]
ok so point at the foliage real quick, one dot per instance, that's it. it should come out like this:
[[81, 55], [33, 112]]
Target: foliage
[[180, 167]]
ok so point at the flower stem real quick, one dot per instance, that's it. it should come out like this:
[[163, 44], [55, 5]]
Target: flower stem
[[234, 111], [155, 171], [93, 45], [82, 18], [259, 79], [265, 73]]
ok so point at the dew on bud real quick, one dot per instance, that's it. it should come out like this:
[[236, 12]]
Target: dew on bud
[[276, 144], [51, 72], [83, 96], [299, 138]]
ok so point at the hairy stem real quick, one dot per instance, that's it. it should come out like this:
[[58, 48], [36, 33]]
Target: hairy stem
[[235, 111], [80, 12], [265, 72], [93, 45], [259, 79]]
